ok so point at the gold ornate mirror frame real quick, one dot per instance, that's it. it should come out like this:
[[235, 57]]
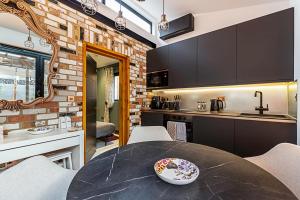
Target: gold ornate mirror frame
[[21, 9]]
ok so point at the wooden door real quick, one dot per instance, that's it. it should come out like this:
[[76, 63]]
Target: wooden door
[[91, 103]]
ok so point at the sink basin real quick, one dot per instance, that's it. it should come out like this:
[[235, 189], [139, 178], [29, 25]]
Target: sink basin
[[265, 116]]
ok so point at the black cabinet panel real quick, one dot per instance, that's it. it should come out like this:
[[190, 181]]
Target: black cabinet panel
[[152, 119], [183, 64], [253, 138], [158, 59], [265, 48], [214, 132], [217, 57]]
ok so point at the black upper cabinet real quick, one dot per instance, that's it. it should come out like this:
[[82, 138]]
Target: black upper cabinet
[[253, 138], [214, 132], [183, 64], [158, 59], [257, 51], [265, 48], [217, 57]]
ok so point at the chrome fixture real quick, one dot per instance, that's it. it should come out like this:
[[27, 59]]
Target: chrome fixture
[[120, 21], [90, 7], [163, 24], [261, 109], [28, 43]]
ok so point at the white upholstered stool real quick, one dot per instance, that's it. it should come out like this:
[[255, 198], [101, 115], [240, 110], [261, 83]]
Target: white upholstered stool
[[149, 133], [35, 178], [283, 162]]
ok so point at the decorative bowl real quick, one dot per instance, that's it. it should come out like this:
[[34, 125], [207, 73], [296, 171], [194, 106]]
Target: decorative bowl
[[176, 171]]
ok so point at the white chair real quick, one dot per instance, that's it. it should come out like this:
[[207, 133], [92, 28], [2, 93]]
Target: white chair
[[36, 178], [283, 162], [149, 133], [65, 157]]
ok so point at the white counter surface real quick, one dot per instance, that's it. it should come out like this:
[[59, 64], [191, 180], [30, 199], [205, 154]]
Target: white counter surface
[[21, 138]]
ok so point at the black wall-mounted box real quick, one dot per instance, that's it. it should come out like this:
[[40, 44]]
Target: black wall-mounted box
[[178, 27]]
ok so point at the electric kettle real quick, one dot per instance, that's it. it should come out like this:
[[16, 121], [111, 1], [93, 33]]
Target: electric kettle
[[216, 105]]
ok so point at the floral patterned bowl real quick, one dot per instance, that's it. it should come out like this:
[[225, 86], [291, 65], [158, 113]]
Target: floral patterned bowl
[[176, 171]]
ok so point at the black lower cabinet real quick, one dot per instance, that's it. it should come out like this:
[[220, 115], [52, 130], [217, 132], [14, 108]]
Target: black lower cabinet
[[214, 132], [253, 138], [152, 119]]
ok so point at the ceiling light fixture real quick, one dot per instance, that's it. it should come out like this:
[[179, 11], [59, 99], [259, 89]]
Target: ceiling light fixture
[[90, 7], [163, 24], [28, 43], [44, 43], [120, 21]]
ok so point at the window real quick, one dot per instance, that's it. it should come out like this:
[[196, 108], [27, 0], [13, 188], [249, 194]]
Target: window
[[130, 14], [116, 87]]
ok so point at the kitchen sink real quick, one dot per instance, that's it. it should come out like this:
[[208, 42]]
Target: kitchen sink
[[265, 116]]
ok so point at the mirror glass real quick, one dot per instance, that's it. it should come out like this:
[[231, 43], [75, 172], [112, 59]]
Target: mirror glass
[[24, 61]]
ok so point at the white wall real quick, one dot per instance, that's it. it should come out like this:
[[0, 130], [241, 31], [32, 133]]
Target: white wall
[[107, 12], [296, 5], [238, 99]]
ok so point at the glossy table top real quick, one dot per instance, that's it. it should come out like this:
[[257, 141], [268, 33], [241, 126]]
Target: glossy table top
[[127, 173]]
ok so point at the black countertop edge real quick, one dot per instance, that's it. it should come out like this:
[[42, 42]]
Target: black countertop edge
[[222, 115], [105, 20]]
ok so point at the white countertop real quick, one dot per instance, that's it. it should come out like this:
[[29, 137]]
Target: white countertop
[[21, 138]]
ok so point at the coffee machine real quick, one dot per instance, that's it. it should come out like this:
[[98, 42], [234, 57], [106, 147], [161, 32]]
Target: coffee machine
[[156, 102]]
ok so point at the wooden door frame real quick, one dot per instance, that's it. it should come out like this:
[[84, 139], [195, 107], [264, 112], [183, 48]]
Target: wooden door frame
[[124, 103]]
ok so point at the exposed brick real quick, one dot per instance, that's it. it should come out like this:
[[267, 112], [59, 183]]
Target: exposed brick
[[21, 118], [69, 66]]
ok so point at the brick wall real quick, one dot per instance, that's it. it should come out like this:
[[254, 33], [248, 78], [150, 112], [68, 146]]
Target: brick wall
[[68, 25]]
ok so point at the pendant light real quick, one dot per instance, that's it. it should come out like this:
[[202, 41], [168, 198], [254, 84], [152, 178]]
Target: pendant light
[[163, 24], [120, 21], [89, 6], [44, 43], [28, 43]]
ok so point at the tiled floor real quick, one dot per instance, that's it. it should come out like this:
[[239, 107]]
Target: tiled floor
[[101, 148]]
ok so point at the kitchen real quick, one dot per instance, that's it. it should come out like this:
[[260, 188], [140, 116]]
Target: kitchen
[[242, 100]]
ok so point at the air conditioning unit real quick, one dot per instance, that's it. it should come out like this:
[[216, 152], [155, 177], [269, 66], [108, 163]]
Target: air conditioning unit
[[178, 27]]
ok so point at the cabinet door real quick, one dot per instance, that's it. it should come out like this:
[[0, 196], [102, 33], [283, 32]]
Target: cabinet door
[[183, 64], [217, 57], [152, 119], [265, 49], [214, 132], [253, 138], [158, 59]]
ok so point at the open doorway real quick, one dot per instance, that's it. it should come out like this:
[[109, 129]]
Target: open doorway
[[105, 101]]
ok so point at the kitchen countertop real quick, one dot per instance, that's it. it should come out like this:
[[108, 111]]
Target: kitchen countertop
[[127, 173], [229, 115]]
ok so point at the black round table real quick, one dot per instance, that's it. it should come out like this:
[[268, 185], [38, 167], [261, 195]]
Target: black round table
[[127, 173]]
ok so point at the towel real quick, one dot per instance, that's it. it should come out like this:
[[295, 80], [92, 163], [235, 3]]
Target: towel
[[177, 130]]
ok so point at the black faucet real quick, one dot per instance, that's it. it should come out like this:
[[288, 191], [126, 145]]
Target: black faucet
[[261, 109]]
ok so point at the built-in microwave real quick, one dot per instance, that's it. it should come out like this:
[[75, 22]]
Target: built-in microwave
[[158, 79]]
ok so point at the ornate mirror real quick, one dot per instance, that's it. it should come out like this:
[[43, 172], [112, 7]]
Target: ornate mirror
[[27, 54]]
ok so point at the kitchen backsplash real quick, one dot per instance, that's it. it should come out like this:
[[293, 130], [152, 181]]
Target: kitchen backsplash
[[280, 97]]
